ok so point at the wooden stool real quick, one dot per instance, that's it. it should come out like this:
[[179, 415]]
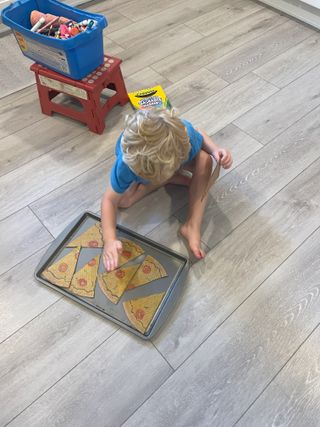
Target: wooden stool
[[87, 91]]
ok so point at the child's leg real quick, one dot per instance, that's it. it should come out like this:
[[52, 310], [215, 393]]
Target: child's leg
[[137, 191], [202, 178], [180, 179]]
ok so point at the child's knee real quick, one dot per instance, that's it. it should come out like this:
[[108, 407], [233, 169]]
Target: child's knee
[[204, 162]]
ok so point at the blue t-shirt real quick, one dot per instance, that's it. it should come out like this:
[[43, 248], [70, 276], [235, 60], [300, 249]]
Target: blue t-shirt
[[122, 176]]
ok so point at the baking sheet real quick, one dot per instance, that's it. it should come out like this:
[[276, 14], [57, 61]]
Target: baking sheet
[[175, 265]]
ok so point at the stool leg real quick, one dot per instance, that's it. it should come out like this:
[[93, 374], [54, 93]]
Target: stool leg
[[96, 124], [44, 98], [120, 88]]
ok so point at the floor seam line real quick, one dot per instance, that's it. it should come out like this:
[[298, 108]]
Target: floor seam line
[[278, 372], [61, 378]]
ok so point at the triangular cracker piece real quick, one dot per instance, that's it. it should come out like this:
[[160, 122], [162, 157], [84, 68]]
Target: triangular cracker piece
[[84, 280], [130, 251], [60, 273], [114, 284], [91, 238], [149, 270], [140, 311]]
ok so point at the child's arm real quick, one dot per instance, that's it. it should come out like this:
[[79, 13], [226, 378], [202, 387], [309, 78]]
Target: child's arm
[[112, 246], [221, 155]]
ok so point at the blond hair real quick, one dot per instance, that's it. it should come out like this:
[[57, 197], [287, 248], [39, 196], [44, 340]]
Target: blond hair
[[155, 143]]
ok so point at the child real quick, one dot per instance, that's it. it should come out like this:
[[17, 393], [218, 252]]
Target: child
[[155, 149]]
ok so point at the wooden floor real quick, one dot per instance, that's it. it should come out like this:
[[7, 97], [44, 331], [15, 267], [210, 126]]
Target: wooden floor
[[243, 345]]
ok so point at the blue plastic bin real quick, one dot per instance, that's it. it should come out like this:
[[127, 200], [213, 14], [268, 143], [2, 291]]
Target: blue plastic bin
[[75, 57]]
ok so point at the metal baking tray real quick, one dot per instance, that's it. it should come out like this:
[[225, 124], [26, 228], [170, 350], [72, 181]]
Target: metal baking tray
[[176, 266]]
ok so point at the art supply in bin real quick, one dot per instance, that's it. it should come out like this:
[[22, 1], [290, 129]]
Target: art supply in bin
[[58, 27]]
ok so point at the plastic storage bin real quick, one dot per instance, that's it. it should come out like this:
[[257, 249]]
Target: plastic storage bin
[[75, 57]]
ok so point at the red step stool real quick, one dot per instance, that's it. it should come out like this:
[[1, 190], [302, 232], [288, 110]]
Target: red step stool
[[87, 91]]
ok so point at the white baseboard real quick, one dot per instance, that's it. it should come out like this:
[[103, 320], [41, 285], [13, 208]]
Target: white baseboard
[[305, 10]]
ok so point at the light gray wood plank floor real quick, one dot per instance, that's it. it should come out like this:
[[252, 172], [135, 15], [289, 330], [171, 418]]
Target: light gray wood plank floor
[[242, 346]]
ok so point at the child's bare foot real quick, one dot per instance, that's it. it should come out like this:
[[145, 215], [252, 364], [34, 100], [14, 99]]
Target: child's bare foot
[[192, 235]]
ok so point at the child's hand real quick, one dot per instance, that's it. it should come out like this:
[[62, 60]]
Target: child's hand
[[111, 252], [223, 157]]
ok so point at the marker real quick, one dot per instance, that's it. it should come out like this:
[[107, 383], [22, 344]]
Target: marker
[[38, 24], [91, 24]]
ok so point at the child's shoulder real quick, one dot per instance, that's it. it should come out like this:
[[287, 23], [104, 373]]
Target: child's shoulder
[[191, 130], [118, 149], [189, 126]]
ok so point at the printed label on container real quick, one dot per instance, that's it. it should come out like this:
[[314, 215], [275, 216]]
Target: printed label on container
[[63, 87], [21, 40], [48, 55]]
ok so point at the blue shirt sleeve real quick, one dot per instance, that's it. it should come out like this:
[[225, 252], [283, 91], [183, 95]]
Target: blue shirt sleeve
[[195, 138], [121, 176]]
